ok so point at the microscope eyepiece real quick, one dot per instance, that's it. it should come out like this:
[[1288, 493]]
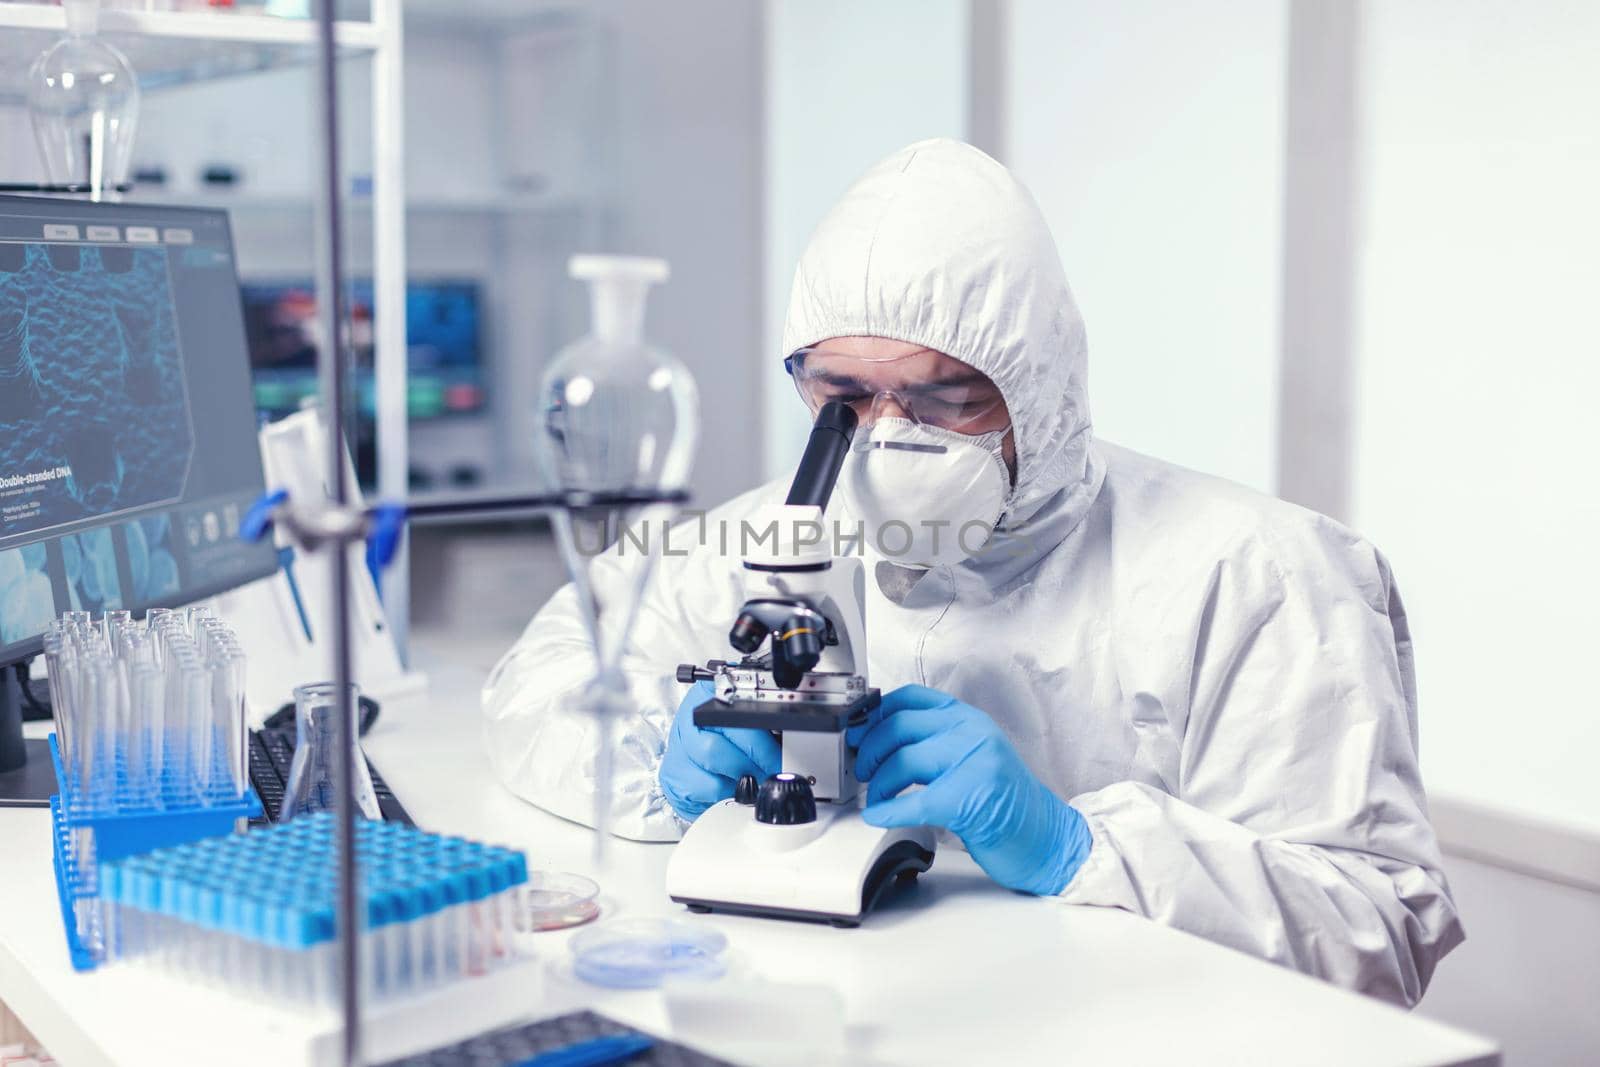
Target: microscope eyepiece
[[824, 455]]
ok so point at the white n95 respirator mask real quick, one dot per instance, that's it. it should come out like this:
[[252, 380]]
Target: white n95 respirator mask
[[926, 496]]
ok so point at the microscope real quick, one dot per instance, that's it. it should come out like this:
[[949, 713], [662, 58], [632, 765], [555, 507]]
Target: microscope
[[795, 846]]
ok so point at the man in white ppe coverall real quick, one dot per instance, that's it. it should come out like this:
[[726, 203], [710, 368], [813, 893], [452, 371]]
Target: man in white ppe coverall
[[1121, 683]]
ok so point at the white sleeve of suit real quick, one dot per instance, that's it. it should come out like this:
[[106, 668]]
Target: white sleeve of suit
[[541, 742], [1298, 829]]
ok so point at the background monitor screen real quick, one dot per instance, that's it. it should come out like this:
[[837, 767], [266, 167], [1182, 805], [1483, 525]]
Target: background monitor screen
[[128, 447], [443, 342]]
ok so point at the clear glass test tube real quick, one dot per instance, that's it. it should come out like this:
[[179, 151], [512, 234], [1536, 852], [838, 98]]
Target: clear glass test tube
[[239, 719], [80, 685], [75, 686], [55, 665], [110, 716], [147, 701], [195, 616], [97, 721], [195, 701], [175, 719], [120, 709], [137, 645], [115, 623], [227, 718], [172, 637], [154, 621]]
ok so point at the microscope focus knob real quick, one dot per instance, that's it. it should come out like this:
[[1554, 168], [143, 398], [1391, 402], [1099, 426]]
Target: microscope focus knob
[[786, 800], [745, 789]]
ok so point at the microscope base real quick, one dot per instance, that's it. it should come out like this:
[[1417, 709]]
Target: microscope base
[[833, 870]]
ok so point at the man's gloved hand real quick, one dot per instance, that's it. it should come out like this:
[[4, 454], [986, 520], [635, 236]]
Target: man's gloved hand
[[977, 787], [701, 766]]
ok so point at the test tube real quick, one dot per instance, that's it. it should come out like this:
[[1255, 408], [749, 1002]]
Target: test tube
[[372, 963], [97, 719], [115, 623], [119, 709], [228, 714], [175, 720], [170, 635], [137, 645], [148, 728], [55, 665], [154, 621], [80, 694], [109, 716], [194, 698], [195, 616], [75, 685], [147, 711]]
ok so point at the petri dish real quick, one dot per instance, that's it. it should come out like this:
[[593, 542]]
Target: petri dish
[[553, 900], [640, 953]]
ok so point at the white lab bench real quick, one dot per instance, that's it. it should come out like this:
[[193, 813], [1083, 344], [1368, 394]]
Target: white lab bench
[[956, 971]]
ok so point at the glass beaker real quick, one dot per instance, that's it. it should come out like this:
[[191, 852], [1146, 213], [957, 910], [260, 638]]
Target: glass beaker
[[84, 101], [314, 774]]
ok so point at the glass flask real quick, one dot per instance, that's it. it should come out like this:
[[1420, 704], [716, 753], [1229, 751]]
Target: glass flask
[[83, 99], [314, 775], [617, 413]]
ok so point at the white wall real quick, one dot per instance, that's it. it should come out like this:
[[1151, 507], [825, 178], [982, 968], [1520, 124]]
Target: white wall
[[1152, 135], [847, 83], [689, 96], [1528, 974], [1478, 371]]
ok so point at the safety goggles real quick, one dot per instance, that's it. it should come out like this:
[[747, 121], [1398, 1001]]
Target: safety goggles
[[926, 387]]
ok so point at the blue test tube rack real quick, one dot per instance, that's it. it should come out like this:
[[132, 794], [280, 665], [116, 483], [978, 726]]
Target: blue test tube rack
[[257, 911], [111, 821]]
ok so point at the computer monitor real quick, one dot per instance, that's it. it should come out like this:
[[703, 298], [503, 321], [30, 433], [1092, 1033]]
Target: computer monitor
[[128, 448], [445, 376]]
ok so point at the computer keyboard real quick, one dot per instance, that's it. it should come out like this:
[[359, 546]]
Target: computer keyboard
[[272, 753], [520, 1044]]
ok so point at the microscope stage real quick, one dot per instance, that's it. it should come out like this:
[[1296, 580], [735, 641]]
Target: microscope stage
[[805, 716]]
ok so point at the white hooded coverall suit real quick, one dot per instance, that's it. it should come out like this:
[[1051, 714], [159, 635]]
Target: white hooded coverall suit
[[1220, 682]]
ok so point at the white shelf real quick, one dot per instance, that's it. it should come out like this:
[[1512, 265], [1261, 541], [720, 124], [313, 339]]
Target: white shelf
[[193, 25], [268, 203], [173, 47]]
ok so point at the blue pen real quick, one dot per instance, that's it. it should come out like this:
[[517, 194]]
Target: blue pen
[[596, 1052], [286, 561]]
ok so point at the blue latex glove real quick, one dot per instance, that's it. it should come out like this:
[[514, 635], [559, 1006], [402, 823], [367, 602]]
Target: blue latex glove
[[701, 766], [977, 787]]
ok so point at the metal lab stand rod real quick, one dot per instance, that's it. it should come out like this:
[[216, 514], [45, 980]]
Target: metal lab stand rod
[[331, 372]]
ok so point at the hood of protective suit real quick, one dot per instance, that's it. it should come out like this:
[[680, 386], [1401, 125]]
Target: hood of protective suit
[[939, 245]]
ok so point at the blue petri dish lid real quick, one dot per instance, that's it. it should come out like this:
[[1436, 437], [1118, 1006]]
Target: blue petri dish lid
[[640, 953]]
